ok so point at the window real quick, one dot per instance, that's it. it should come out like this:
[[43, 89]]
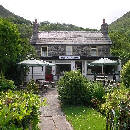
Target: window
[[44, 51], [68, 50], [94, 51]]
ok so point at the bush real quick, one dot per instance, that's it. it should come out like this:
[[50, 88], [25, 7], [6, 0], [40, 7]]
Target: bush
[[19, 110], [97, 93], [116, 108], [75, 89], [6, 84], [125, 74], [32, 86], [71, 88]]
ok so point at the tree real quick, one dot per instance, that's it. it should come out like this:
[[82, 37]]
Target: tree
[[120, 46], [125, 74], [27, 50], [9, 46], [25, 30], [13, 49]]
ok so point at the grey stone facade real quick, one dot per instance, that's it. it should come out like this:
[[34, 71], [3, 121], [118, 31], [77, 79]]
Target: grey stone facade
[[82, 50], [82, 42]]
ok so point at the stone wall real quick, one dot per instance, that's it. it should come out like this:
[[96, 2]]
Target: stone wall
[[82, 50]]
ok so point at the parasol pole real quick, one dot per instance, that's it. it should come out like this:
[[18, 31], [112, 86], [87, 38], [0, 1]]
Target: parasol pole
[[102, 68], [32, 72]]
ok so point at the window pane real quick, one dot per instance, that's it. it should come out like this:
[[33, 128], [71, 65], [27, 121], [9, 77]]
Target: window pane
[[68, 50], [93, 51], [44, 51]]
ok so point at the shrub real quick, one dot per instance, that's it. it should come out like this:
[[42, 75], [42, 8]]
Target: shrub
[[125, 74], [19, 110], [71, 88], [6, 84], [75, 89], [32, 86], [97, 93], [116, 108]]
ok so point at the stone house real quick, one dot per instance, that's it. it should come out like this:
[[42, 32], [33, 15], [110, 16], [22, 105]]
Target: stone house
[[72, 50]]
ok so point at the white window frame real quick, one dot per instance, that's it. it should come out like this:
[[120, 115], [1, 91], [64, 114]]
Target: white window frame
[[42, 51], [95, 50]]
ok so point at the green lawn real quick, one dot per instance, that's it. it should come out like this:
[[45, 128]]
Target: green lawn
[[83, 118]]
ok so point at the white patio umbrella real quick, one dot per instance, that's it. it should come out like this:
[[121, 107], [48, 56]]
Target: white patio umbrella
[[103, 61], [33, 63], [49, 64]]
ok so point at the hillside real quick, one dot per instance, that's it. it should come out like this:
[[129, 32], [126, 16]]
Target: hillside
[[4, 13], [25, 26], [122, 24], [119, 32], [47, 26]]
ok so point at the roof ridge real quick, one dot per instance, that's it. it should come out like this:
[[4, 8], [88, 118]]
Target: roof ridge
[[73, 31]]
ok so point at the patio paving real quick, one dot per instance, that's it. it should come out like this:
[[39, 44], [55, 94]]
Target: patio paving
[[52, 118]]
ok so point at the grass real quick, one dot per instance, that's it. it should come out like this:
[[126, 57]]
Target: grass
[[83, 118]]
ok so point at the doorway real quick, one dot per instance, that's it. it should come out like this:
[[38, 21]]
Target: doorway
[[78, 65], [61, 68]]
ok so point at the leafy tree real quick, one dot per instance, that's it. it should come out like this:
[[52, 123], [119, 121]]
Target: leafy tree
[[15, 71], [120, 36], [120, 46], [25, 30], [125, 74], [24, 26], [27, 50], [9, 46], [13, 49]]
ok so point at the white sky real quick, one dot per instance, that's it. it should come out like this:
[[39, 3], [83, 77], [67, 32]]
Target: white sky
[[83, 13]]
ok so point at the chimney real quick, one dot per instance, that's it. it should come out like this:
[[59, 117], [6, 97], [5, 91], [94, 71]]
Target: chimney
[[35, 27], [35, 31], [104, 28], [35, 20], [103, 21]]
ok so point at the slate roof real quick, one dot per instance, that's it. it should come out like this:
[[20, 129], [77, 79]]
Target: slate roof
[[73, 37]]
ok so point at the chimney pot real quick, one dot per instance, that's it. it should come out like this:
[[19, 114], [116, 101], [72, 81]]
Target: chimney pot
[[103, 21], [35, 20]]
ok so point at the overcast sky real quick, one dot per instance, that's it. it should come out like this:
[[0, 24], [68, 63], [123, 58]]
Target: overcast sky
[[83, 13]]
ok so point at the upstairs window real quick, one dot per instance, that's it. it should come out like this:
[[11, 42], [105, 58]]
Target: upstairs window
[[68, 50], [44, 51], [94, 51]]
